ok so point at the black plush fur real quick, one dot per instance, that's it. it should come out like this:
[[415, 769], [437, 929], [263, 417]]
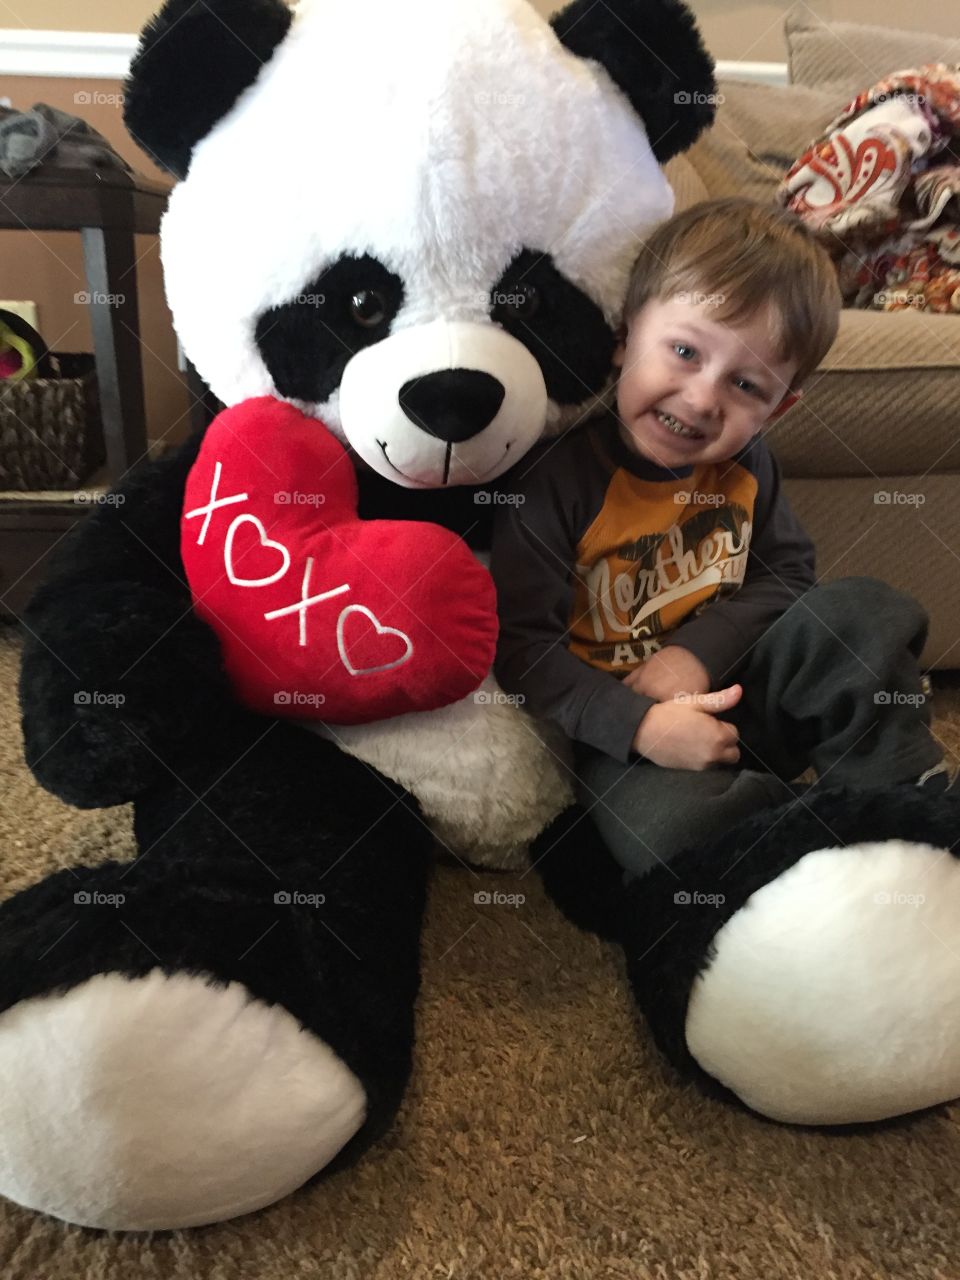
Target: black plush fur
[[581, 877], [307, 343], [566, 332], [465, 509], [113, 618], [668, 943], [652, 50], [194, 60]]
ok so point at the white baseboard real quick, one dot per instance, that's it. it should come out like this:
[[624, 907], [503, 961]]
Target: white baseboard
[[85, 55], [757, 72], [106, 55]]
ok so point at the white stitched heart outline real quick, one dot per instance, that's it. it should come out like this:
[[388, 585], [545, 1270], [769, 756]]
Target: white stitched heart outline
[[381, 631], [265, 541]]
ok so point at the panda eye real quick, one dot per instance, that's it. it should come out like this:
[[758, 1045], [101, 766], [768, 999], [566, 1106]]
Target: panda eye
[[368, 308], [518, 302]]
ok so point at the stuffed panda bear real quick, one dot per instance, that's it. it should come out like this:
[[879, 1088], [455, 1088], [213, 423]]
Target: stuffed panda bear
[[412, 225]]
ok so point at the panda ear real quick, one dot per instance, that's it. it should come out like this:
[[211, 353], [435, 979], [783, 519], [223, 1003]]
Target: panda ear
[[194, 60], [653, 52]]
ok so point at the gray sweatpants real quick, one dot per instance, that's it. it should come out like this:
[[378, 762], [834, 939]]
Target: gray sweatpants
[[833, 684]]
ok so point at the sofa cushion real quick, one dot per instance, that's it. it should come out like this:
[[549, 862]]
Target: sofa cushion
[[688, 187], [907, 539], [846, 57], [759, 130], [885, 401]]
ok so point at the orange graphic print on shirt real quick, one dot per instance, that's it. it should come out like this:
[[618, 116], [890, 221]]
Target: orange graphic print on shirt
[[655, 555]]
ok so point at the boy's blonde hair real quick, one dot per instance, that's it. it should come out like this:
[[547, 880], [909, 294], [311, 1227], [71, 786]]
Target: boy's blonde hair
[[739, 255]]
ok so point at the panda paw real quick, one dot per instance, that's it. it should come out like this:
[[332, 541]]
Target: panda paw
[[809, 963], [165, 1101]]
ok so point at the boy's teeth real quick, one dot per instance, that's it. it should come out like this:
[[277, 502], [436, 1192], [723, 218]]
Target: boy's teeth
[[676, 427]]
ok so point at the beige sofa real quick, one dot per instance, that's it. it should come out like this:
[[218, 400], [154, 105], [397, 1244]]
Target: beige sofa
[[871, 454]]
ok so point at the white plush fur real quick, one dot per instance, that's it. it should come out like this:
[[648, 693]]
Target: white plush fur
[[488, 776], [462, 132], [164, 1102], [834, 994]]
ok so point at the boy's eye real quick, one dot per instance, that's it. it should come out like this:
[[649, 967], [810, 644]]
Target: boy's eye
[[688, 353], [750, 388]]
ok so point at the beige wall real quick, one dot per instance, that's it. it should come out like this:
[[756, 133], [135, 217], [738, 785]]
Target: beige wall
[[752, 30], [77, 15]]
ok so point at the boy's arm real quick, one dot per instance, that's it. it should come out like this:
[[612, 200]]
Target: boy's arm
[[534, 550], [780, 569]]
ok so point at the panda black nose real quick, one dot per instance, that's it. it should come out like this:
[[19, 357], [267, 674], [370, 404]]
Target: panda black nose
[[454, 404]]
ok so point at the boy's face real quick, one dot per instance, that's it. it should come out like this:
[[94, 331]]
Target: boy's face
[[719, 383]]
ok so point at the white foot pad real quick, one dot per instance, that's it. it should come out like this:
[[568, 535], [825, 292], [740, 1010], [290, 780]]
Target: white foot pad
[[834, 995], [164, 1102]]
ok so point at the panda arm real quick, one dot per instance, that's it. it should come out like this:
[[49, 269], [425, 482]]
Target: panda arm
[[119, 677]]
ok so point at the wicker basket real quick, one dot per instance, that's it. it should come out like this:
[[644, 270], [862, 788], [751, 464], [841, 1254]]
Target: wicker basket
[[51, 435]]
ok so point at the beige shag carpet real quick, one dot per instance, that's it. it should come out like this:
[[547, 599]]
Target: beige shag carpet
[[542, 1136]]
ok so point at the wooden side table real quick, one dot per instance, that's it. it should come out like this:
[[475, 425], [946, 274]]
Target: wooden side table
[[108, 208]]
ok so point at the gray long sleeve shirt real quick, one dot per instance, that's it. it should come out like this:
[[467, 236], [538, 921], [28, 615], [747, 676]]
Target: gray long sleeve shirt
[[600, 558]]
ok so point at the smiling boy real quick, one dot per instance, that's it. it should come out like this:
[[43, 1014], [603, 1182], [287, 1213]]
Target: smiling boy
[[651, 558]]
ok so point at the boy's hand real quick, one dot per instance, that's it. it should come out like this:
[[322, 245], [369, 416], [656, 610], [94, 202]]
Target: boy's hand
[[684, 735], [670, 671]]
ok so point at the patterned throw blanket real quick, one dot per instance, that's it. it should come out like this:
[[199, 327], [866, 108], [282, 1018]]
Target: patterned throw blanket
[[882, 185]]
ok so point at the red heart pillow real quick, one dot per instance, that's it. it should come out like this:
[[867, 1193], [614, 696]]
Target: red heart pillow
[[321, 614]]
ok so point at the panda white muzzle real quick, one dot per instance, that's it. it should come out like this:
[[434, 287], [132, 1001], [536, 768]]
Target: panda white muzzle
[[446, 403]]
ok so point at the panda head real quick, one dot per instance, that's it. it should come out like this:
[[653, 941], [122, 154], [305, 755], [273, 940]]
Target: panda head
[[414, 221]]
